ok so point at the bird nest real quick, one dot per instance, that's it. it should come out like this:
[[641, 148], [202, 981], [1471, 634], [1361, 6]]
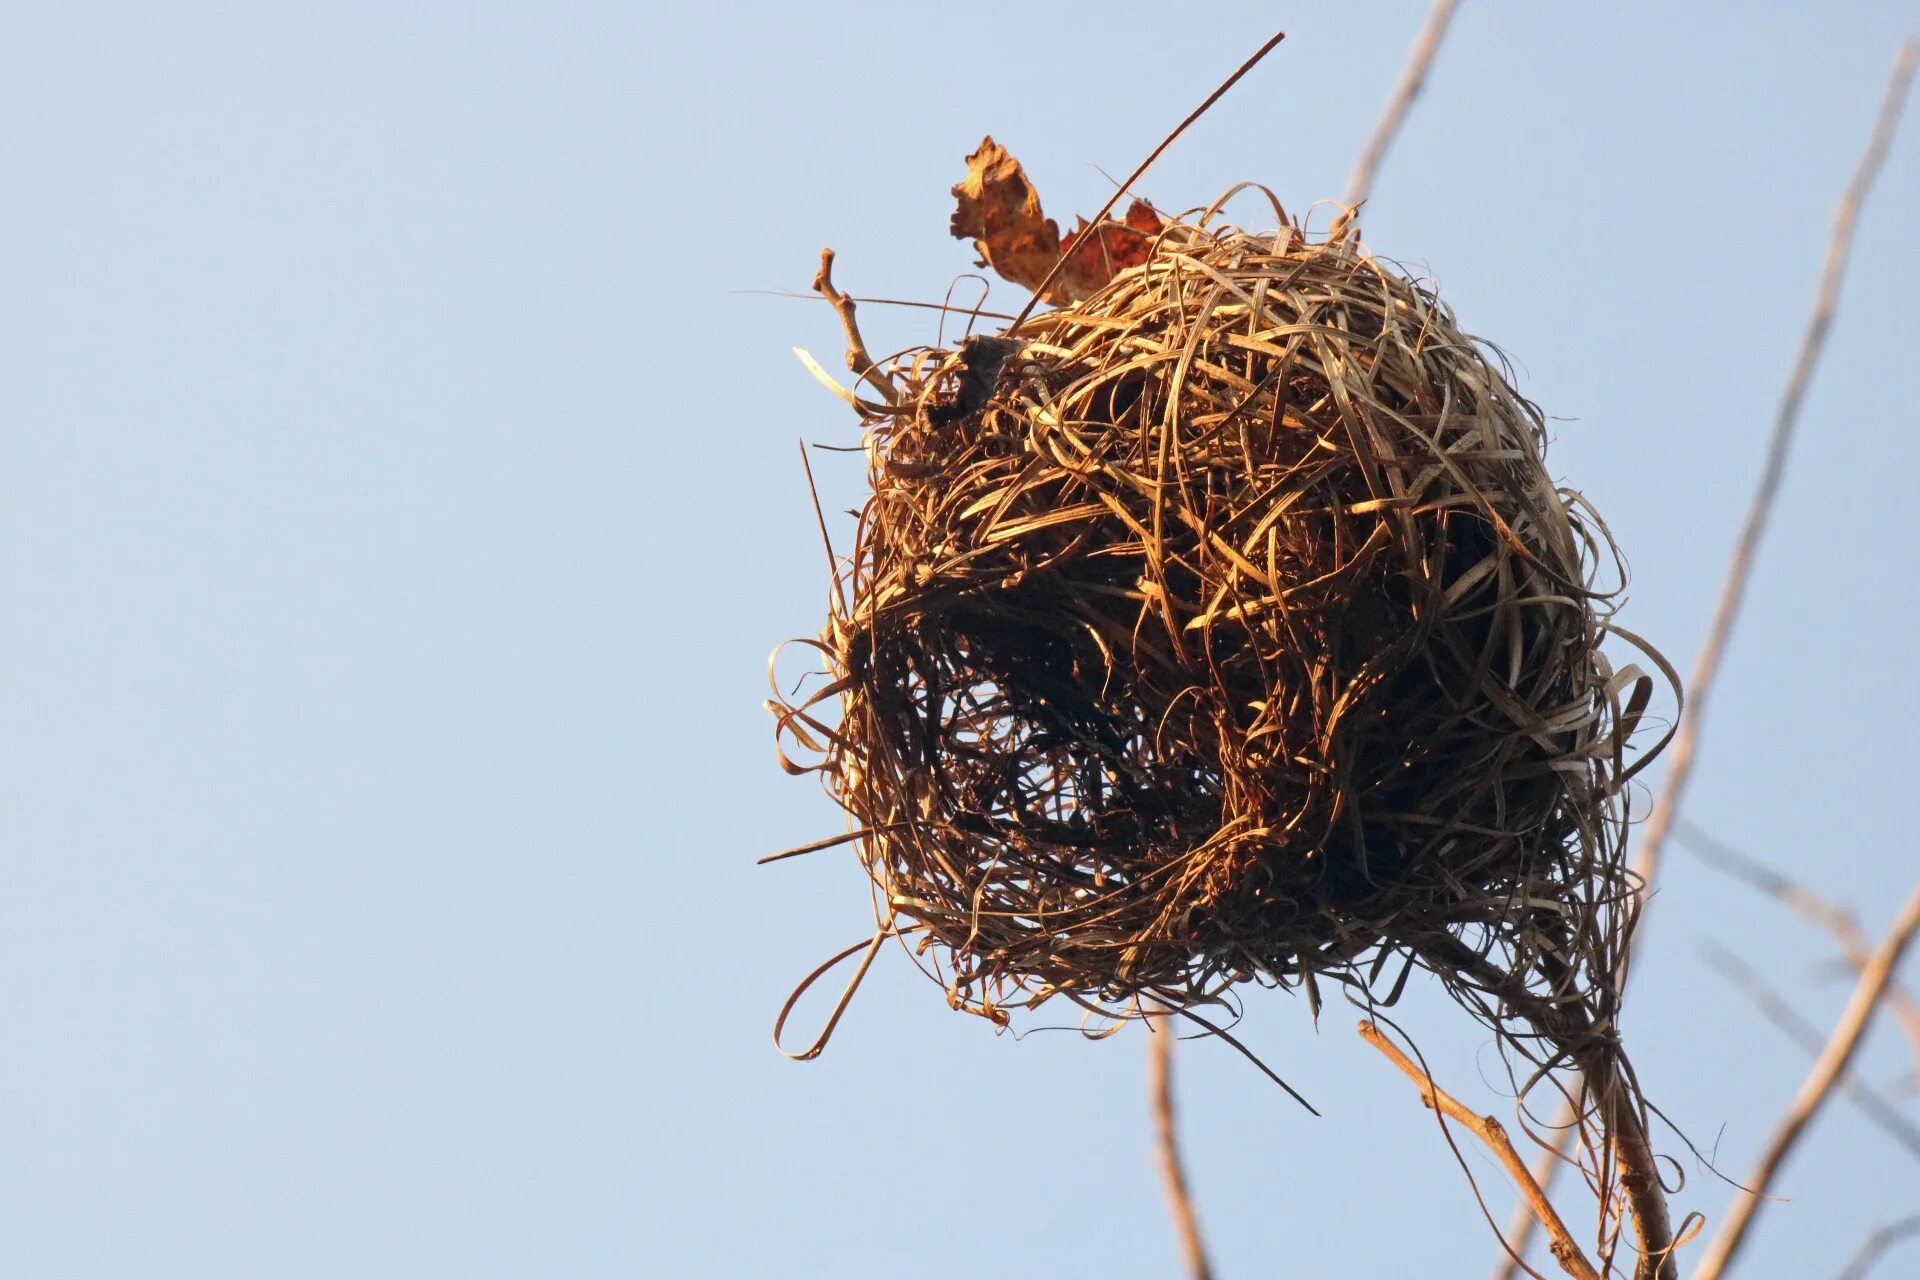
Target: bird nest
[[1227, 625]]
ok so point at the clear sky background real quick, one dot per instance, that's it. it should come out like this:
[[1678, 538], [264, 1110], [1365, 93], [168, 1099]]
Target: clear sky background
[[399, 500]]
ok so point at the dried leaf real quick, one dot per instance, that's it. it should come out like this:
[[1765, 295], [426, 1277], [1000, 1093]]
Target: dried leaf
[[1096, 254], [1000, 211]]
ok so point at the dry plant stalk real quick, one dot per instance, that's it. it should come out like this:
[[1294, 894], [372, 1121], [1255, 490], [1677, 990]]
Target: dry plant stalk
[[1739, 570]]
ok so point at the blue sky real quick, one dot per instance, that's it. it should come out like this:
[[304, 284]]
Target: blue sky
[[399, 499]]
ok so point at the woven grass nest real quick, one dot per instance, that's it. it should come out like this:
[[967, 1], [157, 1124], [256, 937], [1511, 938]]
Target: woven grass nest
[[1228, 625]]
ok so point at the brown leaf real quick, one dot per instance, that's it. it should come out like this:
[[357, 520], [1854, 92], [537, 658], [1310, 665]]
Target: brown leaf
[[1000, 211], [1096, 254]]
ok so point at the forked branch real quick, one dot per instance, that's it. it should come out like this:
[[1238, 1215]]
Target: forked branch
[[1840, 923], [1814, 1090], [1778, 1011], [857, 358], [1494, 1136], [1595, 1056]]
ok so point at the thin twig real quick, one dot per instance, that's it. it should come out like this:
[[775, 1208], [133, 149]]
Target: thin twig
[[1814, 1090], [1840, 923], [1167, 1147], [1219, 92], [1519, 1232], [1740, 566], [1783, 1015], [1412, 79], [1878, 1243], [946, 307], [1490, 1132]]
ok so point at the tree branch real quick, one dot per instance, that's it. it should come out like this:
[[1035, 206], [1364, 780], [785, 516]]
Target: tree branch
[[1827, 1070], [1519, 1232], [1412, 79], [1771, 1003], [1167, 1147], [1839, 922], [1490, 1132], [1878, 1243], [1740, 566]]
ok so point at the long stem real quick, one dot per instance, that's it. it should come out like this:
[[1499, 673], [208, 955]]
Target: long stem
[[1219, 92]]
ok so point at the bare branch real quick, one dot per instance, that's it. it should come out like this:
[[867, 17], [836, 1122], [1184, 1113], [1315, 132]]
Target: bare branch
[[1167, 1147], [857, 358], [1412, 79], [1782, 1014], [1831, 1064], [1490, 1132], [1570, 1027], [1519, 1232], [1878, 1243], [1740, 566], [1841, 923]]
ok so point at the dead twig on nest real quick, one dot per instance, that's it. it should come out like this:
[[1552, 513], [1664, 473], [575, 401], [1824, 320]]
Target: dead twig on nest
[[858, 360]]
